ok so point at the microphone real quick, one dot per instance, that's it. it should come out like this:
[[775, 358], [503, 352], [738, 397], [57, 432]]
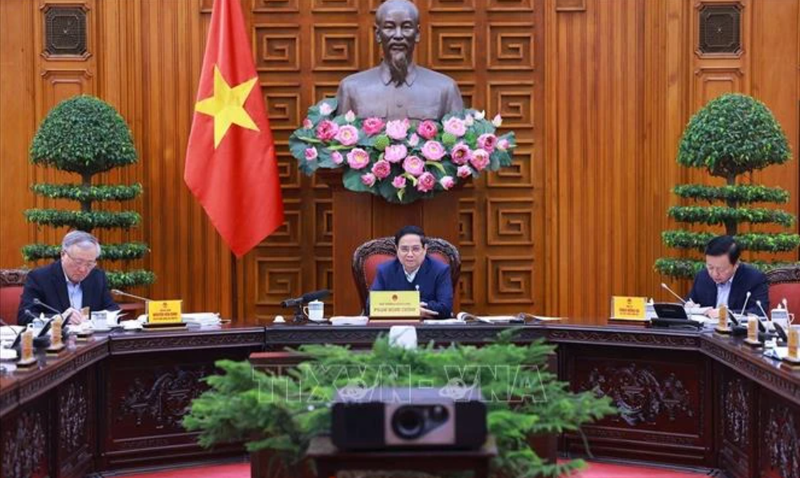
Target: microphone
[[761, 326], [305, 298], [745, 303], [42, 304], [758, 303], [125, 294], [666, 287]]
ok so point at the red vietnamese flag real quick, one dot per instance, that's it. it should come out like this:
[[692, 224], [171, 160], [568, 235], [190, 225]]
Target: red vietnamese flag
[[230, 160]]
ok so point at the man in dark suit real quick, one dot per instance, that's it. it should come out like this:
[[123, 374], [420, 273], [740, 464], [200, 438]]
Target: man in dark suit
[[414, 270], [726, 281], [69, 284]]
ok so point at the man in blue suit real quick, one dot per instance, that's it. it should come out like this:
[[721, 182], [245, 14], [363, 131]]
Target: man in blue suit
[[726, 281], [69, 284], [414, 270]]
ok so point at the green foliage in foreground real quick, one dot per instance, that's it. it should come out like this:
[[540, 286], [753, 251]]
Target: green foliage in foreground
[[284, 413]]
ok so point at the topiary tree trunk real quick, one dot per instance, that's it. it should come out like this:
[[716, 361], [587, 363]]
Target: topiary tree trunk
[[86, 136], [732, 135]]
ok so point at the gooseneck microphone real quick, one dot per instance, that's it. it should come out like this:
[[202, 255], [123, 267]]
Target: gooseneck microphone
[[744, 307], [306, 298], [758, 303], [48, 307], [132, 296], [666, 287]]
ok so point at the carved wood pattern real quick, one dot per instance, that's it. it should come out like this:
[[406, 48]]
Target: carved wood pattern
[[736, 412], [13, 277], [782, 438], [73, 416], [640, 395], [24, 445], [164, 399]]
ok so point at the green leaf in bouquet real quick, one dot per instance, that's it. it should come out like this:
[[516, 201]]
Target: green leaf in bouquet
[[324, 160], [435, 164], [352, 181]]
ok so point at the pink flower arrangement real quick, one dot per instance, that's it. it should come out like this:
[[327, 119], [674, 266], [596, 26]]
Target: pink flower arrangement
[[461, 154], [433, 150], [311, 154], [399, 182], [431, 155], [327, 130], [426, 182], [372, 126], [455, 126], [480, 159], [368, 179], [447, 182], [358, 158], [414, 166], [397, 129], [381, 169], [487, 142], [395, 153], [427, 129], [347, 135]]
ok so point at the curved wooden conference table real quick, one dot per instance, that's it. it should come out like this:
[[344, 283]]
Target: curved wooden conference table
[[116, 400]]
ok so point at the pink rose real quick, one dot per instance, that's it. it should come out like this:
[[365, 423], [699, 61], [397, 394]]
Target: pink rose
[[480, 159], [461, 154], [397, 129], [358, 158], [427, 129], [372, 126], [426, 182], [368, 179], [464, 172], [399, 182], [487, 142], [414, 166], [413, 140], [311, 153], [433, 150], [395, 153], [503, 144], [381, 169], [307, 124], [337, 157], [455, 126], [347, 135], [447, 182], [326, 130]]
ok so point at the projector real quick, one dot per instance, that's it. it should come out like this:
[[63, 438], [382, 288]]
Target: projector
[[421, 418]]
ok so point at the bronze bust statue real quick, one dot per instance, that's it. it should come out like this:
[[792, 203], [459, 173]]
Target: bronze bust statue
[[398, 88]]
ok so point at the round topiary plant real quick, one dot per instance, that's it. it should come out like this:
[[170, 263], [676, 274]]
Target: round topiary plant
[[732, 135], [86, 136]]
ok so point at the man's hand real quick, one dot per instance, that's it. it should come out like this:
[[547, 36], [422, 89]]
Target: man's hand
[[690, 304], [427, 313], [75, 316], [713, 313]]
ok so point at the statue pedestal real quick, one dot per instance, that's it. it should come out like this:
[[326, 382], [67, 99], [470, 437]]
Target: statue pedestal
[[359, 217]]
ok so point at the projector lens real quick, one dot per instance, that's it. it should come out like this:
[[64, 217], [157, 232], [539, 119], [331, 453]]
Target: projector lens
[[408, 422]]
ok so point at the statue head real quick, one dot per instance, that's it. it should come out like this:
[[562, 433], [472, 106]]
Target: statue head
[[397, 31]]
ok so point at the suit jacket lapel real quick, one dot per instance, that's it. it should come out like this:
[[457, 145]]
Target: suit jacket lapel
[[60, 284]]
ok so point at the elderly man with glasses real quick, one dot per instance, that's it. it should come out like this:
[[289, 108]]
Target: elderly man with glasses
[[414, 270], [69, 284]]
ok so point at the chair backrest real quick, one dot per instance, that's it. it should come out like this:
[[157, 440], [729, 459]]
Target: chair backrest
[[785, 283], [371, 254], [11, 285]]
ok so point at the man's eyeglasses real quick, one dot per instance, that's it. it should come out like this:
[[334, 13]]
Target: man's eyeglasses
[[81, 262], [407, 249]]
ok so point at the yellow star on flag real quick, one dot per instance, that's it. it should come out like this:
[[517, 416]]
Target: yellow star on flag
[[227, 106]]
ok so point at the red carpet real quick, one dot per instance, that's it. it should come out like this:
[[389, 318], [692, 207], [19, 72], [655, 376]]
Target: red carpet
[[595, 470]]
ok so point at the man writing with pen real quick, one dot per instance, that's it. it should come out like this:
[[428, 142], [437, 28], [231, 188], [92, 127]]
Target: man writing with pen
[[729, 282], [414, 270], [68, 285]]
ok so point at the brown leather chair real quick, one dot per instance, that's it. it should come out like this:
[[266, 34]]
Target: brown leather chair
[[785, 283], [11, 285], [371, 254]]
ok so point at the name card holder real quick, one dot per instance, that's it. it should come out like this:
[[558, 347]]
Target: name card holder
[[629, 308], [398, 305], [164, 314]]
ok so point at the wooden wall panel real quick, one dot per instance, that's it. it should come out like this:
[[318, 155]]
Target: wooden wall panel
[[599, 93]]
